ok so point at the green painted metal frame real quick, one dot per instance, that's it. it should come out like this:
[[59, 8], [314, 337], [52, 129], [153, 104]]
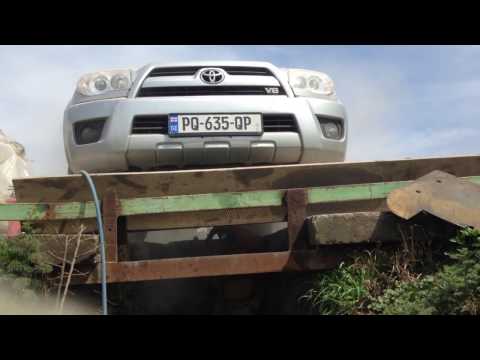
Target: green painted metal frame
[[249, 263], [200, 202]]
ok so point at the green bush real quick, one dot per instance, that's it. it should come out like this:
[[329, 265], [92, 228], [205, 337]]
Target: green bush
[[397, 282], [23, 268], [453, 290]]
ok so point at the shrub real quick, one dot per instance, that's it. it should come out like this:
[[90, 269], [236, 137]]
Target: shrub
[[453, 290], [23, 268], [396, 281]]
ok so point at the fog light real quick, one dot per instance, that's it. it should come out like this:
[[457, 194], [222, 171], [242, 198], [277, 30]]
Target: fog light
[[331, 128], [87, 132]]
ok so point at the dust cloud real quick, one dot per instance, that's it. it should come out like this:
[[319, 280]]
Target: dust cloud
[[26, 302]]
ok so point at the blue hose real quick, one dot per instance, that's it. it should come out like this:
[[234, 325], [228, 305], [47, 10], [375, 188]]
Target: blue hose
[[103, 262]]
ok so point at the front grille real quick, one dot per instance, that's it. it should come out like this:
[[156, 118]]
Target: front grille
[[207, 90], [150, 124], [279, 122], [174, 71], [191, 70], [251, 71], [158, 124]]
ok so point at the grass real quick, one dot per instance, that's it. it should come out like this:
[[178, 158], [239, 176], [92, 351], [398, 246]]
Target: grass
[[413, 279]]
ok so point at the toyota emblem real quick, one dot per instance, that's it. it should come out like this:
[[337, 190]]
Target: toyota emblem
[[212, 76]]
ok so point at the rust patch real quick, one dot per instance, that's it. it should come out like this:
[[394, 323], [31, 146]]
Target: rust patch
[[51, 183], [218, 265], [111, 209], [69, 194], [296, 201], [247, 176], [329, 176], [125, 180], [50, 212], [165, 187]]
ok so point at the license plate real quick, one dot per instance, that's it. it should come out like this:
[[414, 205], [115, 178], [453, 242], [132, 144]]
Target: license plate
[[214, 124]]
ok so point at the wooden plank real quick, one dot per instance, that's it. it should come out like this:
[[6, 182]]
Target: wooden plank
[[154, 184], [200, 202]]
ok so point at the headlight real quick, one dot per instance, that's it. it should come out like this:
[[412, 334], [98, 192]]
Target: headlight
[[110, 82], [120, 82], [311, 83]]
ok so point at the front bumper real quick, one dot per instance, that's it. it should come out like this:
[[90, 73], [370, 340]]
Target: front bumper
[[119, 150]]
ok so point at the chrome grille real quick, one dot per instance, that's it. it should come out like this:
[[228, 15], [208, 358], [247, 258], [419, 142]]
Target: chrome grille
[[191, 70], [279, 122], [206, 90], [163, 81], [150, 124]]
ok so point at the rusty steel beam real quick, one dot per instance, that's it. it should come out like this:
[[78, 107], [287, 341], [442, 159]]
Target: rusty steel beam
[[218, 265], [296, 201], [165, 183], [110, 212]]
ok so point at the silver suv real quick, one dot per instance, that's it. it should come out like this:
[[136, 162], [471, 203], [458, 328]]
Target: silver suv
[[215, 113]]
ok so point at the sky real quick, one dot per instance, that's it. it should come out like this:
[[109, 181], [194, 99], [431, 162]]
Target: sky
[[402, 101]]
